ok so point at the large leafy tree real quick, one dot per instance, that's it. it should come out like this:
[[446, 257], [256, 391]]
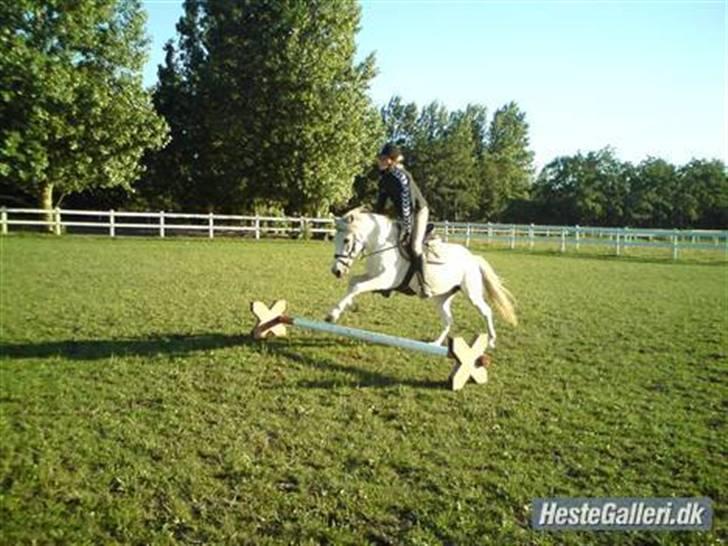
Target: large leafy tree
[[588, 189], [178, 177], [653, 184], [445, 162], [267, 104], [400, 121], [73, 111], [702, 196], [507, 166]]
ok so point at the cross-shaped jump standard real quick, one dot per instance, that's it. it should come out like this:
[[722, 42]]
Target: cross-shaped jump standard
[[470, 360]]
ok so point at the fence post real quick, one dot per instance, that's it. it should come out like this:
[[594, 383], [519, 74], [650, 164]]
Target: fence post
[[675, 245], [576, 237], [57, 221], [467, 235], [4, 220], [112, 224], [563, 240], [618, 243], [257, 227], [531, 236], [490, 233], [211, 226], [161, 224], [446, 231], [513, 236]]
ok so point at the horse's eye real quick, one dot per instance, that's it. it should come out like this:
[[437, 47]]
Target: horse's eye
[[346, 241]]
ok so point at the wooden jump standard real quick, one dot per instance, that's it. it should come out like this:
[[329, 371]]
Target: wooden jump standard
[[469, 361]]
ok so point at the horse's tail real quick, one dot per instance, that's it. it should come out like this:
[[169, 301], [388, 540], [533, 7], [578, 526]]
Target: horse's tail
[[498, 294]]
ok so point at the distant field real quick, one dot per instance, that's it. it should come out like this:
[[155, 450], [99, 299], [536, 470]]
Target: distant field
[[134, 409]]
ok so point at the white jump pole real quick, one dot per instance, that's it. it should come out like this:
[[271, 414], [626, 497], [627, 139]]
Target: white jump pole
[[470, 361]]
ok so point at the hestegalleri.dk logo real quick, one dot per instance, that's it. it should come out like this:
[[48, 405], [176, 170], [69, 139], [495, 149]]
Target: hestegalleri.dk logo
[[623, 513]]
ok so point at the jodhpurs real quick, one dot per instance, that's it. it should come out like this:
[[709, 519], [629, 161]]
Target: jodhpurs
[[419, 225]]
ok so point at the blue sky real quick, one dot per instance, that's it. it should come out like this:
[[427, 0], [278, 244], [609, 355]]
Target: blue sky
[[646, 77]]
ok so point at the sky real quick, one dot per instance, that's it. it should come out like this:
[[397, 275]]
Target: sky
[[648, 78]]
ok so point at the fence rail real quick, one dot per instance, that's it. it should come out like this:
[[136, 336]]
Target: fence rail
[[513, 235]]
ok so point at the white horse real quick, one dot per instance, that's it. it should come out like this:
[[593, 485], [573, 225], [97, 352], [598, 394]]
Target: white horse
[[450, 267]]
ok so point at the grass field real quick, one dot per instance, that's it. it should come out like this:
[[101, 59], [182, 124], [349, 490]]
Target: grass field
[[135, 410]]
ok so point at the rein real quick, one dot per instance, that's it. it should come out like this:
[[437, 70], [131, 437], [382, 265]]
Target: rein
[[379, 251], [349, 256]]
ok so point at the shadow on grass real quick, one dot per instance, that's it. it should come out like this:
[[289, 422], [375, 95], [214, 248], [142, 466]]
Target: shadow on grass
[[174, 344], [364, 377], [99, 349]]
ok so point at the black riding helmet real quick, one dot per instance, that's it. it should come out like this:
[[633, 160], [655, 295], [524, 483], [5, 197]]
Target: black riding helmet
[[391, 150]]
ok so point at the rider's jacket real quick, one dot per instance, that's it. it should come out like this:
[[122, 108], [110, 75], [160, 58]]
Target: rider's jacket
[[397, 184]]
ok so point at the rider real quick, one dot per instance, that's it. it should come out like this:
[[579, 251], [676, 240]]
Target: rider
[[396, 184]]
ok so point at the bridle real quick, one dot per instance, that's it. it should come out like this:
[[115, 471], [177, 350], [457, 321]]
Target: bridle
[[357, 246], [348, 258]]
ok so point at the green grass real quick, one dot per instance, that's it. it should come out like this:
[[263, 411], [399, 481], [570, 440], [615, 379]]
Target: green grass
[[134, 409]]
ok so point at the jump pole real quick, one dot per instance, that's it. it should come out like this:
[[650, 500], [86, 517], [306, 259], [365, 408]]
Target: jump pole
[[469, 360]]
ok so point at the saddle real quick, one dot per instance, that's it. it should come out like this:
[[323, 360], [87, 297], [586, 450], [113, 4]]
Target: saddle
[[404, 246], [406, 253]]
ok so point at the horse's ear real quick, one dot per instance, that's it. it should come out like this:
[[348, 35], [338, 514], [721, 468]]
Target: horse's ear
[[349, 218]]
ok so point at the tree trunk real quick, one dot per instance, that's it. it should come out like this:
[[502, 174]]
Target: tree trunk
[[46, 203]]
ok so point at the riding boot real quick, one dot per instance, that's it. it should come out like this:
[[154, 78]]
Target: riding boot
[[420, 263]]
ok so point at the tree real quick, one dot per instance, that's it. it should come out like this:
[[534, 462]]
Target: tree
[[506, 169], [586, 189], [653, 185], [448, 166], [281, 116], [556, 190], [176, 177], [73, 111], [400, 121], [702, 196]]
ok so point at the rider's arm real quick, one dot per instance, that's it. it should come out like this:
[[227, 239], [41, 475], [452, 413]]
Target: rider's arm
[[404, 201], [381, 198]]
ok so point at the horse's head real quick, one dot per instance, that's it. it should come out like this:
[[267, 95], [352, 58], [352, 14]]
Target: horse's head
[[349, 242]]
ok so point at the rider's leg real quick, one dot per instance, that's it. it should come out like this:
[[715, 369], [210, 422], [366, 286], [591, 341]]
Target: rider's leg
[[417, 241]]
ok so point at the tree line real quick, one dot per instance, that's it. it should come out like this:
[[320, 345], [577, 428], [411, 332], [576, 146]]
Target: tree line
[[598, 189], [262, 107]]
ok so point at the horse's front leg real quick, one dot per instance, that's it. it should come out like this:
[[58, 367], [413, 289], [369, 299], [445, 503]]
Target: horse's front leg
[[358, 285]]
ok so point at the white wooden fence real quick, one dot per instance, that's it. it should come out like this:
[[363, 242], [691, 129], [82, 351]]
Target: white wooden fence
[[512, 235], [162, 223], [577, 237]]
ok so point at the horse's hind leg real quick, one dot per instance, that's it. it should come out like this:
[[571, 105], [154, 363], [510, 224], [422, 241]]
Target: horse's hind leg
[[473, 288], [443, 302]]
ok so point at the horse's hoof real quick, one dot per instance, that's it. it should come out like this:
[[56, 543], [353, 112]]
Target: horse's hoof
[[330, 318]]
